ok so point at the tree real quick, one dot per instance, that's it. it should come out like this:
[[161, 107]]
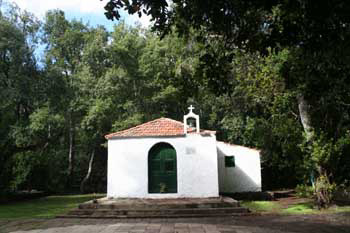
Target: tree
[[315, 71], [65, 43], [18, 91]]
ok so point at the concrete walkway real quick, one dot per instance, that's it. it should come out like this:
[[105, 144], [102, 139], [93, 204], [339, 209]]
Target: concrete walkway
[[244, 224]]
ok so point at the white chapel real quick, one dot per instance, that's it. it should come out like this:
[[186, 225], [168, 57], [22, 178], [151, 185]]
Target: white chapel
[[165, 158]]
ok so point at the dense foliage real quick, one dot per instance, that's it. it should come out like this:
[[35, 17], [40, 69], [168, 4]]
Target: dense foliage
[[310, 78], [273, 86]]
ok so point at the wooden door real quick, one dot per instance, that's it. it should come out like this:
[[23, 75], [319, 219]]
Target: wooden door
[[162, 169]]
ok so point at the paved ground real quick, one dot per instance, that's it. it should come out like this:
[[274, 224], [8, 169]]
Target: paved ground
[[331, 223]]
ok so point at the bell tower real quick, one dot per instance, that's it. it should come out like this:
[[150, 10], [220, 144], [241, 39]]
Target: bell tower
[[191, 115]]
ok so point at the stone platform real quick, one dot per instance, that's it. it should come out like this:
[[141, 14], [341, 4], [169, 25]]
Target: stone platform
[[157, 208]]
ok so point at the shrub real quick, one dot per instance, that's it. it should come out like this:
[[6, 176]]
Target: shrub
[[324, 191], [304, 191]]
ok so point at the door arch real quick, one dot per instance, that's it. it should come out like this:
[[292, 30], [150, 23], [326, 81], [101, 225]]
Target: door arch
[[162, 169]]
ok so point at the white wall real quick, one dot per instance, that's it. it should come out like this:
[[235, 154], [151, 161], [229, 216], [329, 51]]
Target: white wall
[[197, 169], [245, 176]]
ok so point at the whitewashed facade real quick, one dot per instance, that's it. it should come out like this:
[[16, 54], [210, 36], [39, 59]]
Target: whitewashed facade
[[200, 162], [245, 176], [128, 166]]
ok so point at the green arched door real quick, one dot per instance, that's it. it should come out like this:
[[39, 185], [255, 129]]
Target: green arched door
[[162, 169]]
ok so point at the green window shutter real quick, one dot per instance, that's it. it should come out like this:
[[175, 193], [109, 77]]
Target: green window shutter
[[230, 161]]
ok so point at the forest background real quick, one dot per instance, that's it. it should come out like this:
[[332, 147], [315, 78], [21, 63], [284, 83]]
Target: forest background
[[289, 98]]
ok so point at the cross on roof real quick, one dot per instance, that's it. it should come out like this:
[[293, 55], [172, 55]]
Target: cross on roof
[[191, 108]]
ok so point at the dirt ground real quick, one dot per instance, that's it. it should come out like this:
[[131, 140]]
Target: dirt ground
[[292, 200]]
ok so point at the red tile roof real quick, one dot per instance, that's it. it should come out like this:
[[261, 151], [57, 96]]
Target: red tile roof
[[158, 127]]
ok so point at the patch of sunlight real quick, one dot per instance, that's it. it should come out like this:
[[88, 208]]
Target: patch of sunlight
[[301, 208], [261, 206]]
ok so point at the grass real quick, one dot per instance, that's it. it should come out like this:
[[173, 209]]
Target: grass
[[261, 206], [46, 207], [309, 208], [300, 208], [273, 207]]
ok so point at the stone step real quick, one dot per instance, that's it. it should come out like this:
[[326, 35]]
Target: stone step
[[164, 206], [153, 213], [153, 216], [171, 203], [159, 211]]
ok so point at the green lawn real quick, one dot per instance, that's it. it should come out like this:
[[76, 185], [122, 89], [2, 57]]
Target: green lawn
[[261, 206], [273, 207], [45, 207]]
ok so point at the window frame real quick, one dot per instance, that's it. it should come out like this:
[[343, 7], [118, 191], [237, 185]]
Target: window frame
[[230, 161]]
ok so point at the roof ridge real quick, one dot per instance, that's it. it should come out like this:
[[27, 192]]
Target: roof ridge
[[162, 126], [143, 125], [179, 122], [138, 126]]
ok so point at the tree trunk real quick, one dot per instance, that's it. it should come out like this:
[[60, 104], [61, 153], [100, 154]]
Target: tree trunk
[[87, 177], [322, 184], [305, 118], [71, 151]]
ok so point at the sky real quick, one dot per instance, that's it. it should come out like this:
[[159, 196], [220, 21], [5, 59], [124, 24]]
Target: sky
[[89, 11]]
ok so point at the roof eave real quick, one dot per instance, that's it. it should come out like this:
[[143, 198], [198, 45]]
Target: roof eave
[[159, 136], [145, 136]]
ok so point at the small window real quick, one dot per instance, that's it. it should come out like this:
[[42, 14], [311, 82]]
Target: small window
[[230, 161]]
